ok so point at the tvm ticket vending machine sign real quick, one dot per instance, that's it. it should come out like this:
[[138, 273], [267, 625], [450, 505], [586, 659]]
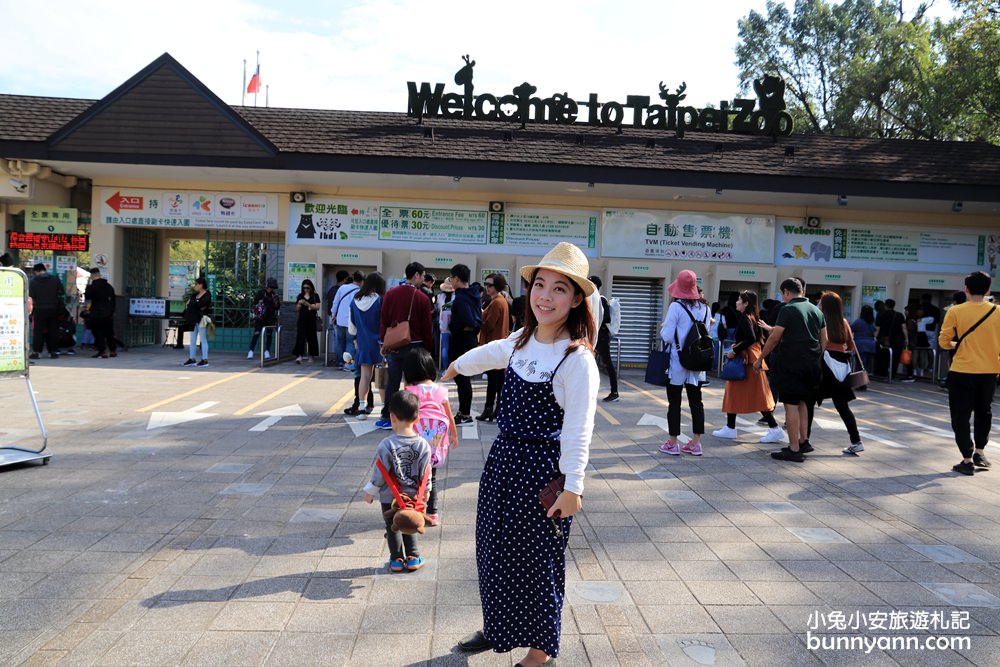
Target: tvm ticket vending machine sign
[[14, 356]]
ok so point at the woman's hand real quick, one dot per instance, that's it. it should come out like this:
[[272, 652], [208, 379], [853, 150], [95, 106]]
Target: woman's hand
[[450, 374], [757, 365], [567, 504], [730, 355]]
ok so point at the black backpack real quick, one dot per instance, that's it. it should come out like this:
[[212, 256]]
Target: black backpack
[[698, 350]]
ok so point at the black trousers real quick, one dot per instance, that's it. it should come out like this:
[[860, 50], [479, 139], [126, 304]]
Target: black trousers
[[971, 395], [494, 380], [604, 354], [104, 333], [462, 342], [305, 337], [268, 339], [395, 360], [674, 409], [45, 331], [400, 546]]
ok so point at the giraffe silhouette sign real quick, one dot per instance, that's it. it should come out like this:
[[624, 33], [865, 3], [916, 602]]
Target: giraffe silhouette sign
[[766, 115]]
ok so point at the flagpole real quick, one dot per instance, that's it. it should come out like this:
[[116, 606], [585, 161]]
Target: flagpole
[[243, 98], [267, 96], [258, 80]]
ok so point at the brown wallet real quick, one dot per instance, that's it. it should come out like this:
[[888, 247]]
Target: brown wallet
[[547, 496]]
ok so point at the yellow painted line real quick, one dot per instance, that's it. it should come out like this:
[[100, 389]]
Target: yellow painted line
[[661, 401], [607, 415], [277, 392], [192, 392], [341, 402]]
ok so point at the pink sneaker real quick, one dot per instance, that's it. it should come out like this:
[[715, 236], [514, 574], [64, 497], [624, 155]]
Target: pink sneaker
[[693, 448], [670, 448], [435, 519]]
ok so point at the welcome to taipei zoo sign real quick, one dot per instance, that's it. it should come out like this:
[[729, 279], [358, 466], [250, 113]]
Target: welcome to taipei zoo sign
[[765, 116]]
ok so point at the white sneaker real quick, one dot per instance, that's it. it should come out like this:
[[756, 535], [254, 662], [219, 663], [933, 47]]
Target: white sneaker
[[726, 433], [250, 354], [855, 448], [267, 354], [362, 410], [773, 435]]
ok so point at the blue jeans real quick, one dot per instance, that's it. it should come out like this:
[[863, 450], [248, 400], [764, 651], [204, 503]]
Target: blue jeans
[[340, 344], [445, 340], [196, 330]]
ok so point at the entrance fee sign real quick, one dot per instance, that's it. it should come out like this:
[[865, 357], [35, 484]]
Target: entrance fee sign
[[13, 323], [369, 224], [189, 210], [845, 245], [713, 237]]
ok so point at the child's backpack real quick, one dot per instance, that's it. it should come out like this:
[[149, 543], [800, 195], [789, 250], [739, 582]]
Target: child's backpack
[[615, 325], [432, 422], [698, 350]]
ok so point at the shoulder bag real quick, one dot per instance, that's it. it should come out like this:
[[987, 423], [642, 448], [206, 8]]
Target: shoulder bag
[[397, 334]]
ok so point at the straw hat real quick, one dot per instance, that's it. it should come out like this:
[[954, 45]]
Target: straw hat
[[568, 260], [685, 286]]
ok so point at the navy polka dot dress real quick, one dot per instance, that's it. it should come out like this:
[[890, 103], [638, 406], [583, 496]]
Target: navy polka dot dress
[[521, 560]]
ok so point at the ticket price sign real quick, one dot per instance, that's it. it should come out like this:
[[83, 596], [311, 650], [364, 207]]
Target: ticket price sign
[[14, 355]]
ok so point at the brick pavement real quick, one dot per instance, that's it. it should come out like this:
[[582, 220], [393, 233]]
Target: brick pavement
[[206, 543]]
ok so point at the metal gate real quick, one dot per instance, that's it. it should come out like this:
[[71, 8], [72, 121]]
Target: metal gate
[[642, 313], [139, 273], [237, 264]]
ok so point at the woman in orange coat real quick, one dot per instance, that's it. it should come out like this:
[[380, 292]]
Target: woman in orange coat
[[496, 326], [753, 393]]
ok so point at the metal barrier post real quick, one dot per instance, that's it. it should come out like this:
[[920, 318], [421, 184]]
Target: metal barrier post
[[892, 364], [618, 356], [276, 341]]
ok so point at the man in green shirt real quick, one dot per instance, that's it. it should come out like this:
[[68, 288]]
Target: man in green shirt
[[796, 345]]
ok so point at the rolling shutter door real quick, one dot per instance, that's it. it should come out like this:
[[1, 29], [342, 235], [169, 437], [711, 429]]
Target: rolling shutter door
[[642, 312]]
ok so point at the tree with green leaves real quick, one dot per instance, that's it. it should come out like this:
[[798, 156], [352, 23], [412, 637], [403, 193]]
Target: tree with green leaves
[[867, 68]]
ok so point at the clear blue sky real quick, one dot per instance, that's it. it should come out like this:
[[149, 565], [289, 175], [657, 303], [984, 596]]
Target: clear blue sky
[[360, 54]]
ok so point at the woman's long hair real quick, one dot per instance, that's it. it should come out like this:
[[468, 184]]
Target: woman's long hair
[[374, 284], [579, 324], [302, 292], [833, 310], [749, 297]]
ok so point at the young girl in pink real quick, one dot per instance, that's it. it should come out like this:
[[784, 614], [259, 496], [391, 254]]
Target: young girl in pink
[[436, 423]]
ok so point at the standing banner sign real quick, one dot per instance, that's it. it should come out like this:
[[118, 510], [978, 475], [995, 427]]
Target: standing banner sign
[[14, 355]]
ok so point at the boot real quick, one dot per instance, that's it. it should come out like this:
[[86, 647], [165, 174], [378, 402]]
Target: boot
[[353, 410], [488, 414]]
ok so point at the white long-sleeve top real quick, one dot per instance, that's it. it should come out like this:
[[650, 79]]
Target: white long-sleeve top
[[575, 386], [678, 322], [340, 311]]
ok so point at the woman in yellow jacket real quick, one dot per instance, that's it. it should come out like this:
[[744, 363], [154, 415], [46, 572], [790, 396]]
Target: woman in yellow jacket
[[496, 326]]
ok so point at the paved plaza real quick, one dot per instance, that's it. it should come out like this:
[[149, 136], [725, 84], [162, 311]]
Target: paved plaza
[[215, 517]]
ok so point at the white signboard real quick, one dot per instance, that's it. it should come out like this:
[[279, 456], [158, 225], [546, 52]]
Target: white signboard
[[671, 235], [147, 307], [458, 227], [189, 210], [847, 245], [13, 323]]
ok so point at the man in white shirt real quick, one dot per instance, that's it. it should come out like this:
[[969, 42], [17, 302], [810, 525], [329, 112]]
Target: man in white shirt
[[340, 315]]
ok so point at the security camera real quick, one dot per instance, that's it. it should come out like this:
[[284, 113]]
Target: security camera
[[19, 186]]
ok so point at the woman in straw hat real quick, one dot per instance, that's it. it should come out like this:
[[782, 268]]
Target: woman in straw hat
[[686, 308], [546, 419]]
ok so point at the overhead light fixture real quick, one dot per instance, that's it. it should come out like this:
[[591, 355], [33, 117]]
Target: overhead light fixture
[[956, 207], [842, 200]]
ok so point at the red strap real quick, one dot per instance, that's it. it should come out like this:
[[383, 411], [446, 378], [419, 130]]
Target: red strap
[[422, 490], [393, 485]]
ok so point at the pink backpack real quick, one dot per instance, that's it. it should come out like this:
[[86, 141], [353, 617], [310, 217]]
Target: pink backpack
[[432, 424]]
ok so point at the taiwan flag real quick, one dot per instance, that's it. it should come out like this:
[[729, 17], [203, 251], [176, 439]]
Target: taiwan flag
[[254, 86]]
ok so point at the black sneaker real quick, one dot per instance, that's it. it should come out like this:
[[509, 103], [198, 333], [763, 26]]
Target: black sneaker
[[980, 461], [53, 355], [909, 380], [965, 467], [611, 398], [785, 454], [33, 355], [352, 411], [202, 363], [190, 362], [463, 419], [806, 448], [762, 422]]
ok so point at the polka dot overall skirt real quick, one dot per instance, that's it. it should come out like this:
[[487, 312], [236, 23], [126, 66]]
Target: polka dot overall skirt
[[520, 557]]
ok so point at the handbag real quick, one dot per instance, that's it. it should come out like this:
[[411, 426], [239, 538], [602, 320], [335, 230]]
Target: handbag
[[840, 369], [658, 367], [906, 356], [397, 334], [859, 378], [319, 323], [734, 370]]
